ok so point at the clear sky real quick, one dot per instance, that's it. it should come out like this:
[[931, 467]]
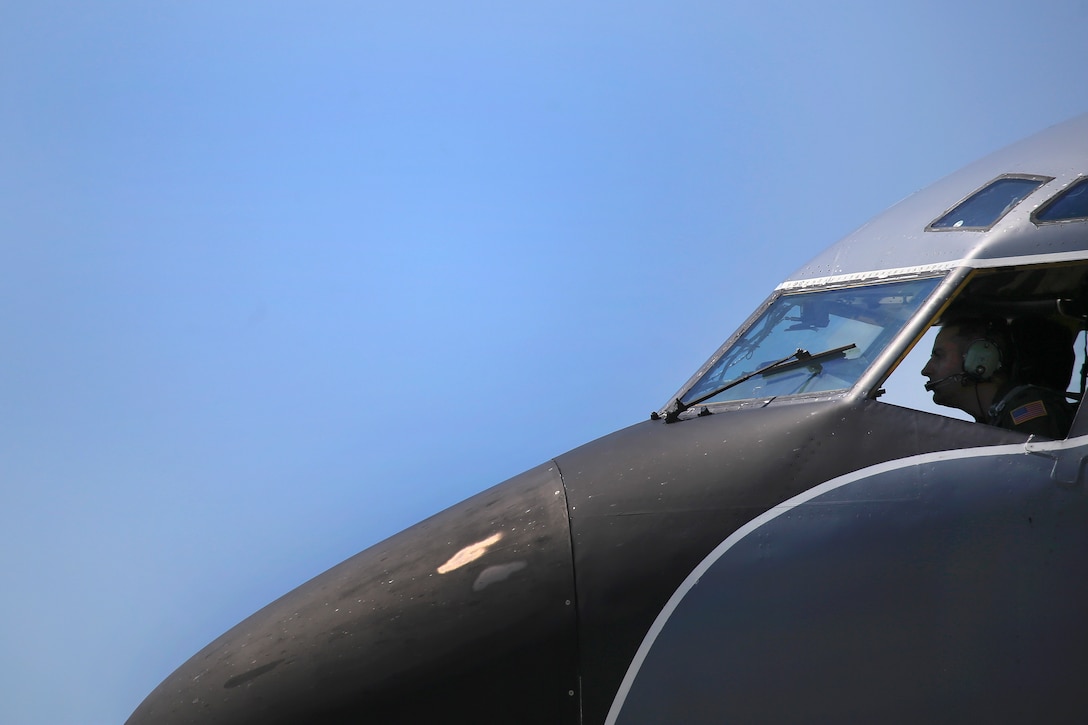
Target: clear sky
[[280, 279]]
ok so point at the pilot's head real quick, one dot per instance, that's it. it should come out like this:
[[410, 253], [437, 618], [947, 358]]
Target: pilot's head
[[968, 364]]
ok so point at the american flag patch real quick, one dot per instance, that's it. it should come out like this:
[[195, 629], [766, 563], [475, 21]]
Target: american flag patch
[[1031, 411]]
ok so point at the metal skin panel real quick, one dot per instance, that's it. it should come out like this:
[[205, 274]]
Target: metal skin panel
[[469, 612], [648, 503], [896, 239], [444, 621], [948, 588]]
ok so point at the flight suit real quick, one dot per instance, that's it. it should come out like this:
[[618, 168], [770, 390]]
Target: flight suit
[[1032, 409]]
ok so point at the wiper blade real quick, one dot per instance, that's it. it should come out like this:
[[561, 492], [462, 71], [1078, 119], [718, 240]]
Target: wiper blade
[[802, 358], [799, 358]]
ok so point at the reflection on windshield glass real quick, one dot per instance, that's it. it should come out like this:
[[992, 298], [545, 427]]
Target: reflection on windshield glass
[[811, 342]]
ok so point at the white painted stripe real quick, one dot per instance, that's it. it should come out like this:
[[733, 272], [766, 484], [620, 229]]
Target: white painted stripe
[[881, 274], [870, 275], [1031, 446]]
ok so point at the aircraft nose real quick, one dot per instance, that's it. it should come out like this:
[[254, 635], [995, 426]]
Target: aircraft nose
[[467, 616]]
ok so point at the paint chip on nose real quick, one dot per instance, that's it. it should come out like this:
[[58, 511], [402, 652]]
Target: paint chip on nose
[[469, 554]]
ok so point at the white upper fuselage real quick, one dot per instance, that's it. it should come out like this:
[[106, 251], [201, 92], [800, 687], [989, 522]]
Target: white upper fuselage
[[898, 242]]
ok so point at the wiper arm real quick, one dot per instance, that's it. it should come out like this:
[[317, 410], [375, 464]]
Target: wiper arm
[[799, 358]]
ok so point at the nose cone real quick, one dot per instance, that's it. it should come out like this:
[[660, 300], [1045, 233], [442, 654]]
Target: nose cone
[[468, 616]]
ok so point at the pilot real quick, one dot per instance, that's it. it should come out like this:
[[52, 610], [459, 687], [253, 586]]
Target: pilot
[[971, 368]]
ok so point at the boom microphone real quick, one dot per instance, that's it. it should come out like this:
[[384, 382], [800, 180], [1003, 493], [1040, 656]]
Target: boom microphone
[[961, 377]]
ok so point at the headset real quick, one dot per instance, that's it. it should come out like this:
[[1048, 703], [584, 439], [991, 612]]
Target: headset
[[982, 360]]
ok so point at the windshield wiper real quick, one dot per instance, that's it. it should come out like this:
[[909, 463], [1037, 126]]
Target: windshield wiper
[[799, 358]]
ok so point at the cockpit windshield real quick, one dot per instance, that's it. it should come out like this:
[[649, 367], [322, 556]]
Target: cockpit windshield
[[810, 342]]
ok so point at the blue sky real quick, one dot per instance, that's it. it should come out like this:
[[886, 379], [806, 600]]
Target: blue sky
[[280, 279]]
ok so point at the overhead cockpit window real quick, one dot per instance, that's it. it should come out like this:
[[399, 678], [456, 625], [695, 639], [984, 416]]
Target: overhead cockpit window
[[985, 207], [1070, 205], [810, 342]]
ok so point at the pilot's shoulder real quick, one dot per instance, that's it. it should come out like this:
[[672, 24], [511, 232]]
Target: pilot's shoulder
[[1026, 403]]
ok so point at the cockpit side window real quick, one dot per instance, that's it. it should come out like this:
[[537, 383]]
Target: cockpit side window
[[985, 207], [1038, 317]]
